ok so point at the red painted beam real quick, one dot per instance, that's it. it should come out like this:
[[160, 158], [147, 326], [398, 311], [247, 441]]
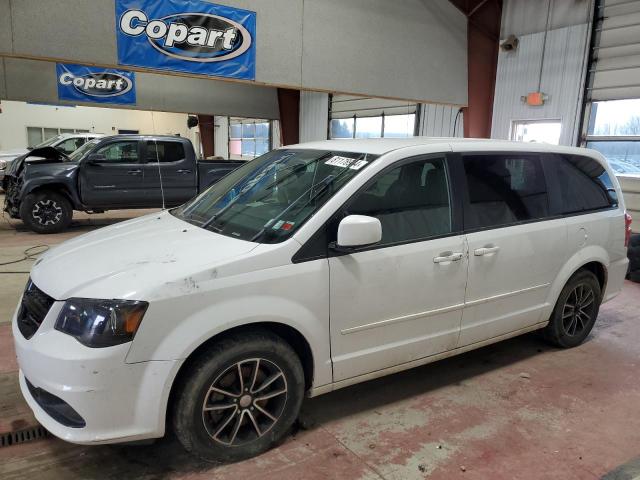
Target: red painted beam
[[207, 129], [483, 38], [289, 106]]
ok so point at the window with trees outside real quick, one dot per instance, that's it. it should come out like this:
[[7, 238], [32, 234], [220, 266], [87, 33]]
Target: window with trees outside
[[614, 130], [387, 126], [248, 137]]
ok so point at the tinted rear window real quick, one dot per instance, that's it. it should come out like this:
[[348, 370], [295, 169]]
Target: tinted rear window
[[165, 152], [581, 184], [503, 189]]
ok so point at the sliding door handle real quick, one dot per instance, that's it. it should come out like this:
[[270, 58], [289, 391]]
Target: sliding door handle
[[448, 257], [479, 252], [134, 172]]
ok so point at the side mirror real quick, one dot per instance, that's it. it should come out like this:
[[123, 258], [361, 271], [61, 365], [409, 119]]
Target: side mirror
[[358, 231], [95, 158]]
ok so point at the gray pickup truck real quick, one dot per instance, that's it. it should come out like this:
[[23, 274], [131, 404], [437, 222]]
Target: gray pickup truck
[[45, 186]]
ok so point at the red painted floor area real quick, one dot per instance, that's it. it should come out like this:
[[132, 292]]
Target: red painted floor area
[[516, 410]]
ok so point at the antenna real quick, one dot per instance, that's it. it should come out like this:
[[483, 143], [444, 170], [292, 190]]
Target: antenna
[[155, 142]]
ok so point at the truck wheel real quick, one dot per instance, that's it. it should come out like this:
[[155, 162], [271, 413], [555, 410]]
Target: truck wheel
[[576, 310], [46, 212], [239, 398]]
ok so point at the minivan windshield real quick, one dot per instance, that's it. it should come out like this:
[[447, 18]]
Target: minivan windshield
[[268, 199]]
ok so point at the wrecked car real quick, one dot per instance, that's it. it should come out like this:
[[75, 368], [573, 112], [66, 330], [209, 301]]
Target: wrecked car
[[45, 186]]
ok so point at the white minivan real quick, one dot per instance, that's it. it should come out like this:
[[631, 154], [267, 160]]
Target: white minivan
[[312, 268]]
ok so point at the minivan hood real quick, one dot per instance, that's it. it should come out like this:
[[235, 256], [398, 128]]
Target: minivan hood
[[130, 260]]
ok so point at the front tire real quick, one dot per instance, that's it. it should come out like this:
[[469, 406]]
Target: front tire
[[576, 310], [239, 398], [46, 212]]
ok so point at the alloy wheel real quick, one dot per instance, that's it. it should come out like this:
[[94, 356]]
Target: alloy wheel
[[244, 402], [578, 310], [47, 212]]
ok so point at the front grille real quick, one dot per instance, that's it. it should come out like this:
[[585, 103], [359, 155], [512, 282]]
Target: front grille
[[34, 307]]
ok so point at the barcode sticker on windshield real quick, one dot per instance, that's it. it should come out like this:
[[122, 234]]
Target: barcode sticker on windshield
[[346, 162]]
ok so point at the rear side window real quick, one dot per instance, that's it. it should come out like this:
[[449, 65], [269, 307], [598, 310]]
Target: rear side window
[[165, 152], [503, 190], [581, 184]]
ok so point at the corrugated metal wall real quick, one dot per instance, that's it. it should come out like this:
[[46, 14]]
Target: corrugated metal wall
[[562, 80], [440, 121], [314, 116]]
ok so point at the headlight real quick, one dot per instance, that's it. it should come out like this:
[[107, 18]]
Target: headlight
[[3, 165], [101, 323]]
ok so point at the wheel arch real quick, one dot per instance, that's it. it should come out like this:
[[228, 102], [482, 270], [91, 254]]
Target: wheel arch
[[593, 258], [289, 334], [59, 188]]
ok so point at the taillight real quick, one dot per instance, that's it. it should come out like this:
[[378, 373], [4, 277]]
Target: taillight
[[627, 229]]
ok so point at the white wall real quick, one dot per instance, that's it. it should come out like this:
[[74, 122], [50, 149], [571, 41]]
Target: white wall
[[409, 49], [562, 60], [221, 137], [17, 116], [562, 81], [314, 116]]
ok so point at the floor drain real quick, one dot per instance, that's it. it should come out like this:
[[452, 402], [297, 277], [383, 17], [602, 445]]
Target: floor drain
[[23, 436]]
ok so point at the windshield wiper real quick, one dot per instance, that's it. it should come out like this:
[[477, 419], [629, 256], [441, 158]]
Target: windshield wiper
[[242, 193], [322, 186]]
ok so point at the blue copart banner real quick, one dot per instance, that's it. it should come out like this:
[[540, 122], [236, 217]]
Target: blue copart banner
[[191, 36], [80, 83]]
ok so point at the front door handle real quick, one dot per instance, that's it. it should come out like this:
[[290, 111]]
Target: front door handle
[[134, 172], [184, 170], [446, 257], [479, 252]]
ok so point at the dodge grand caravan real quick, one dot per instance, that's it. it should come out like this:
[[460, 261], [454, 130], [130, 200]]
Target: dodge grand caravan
[[309, 269]]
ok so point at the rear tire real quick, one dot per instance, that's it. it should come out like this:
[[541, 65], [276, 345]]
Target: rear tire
[[576, 310], [239, 398], [46, 212]]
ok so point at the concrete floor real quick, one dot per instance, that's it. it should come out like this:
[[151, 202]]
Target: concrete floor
[[516, 410]]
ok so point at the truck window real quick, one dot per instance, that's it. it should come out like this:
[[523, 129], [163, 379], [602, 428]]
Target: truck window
[[582, 184], [120, 152], [165, 152], [504, 189]]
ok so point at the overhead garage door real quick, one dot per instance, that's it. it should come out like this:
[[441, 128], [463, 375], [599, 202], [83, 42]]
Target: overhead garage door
[[616, 64], [365, 117], [613, 94]]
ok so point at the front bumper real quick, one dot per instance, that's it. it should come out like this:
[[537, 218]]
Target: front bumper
[[118, 401]]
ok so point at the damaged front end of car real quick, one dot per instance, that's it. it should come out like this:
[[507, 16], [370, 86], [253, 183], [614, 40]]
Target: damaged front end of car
[[14, 176]]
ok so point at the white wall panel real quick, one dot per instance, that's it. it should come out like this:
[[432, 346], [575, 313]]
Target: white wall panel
[[562, 81], [35, 80], [3, 89], [314, 116], [221, 137], [523, 17], [413, 49], [6, 41], [17, 116], [440, 121]]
